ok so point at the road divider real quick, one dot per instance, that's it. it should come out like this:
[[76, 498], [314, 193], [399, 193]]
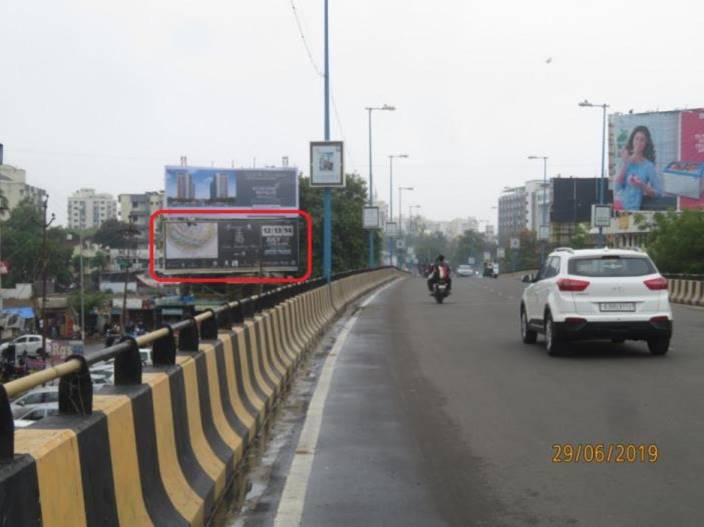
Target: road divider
[[689, 292], [161, 446]]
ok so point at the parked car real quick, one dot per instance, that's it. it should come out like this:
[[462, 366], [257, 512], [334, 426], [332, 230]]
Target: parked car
[[607, 294], [33, 399], [32, 344], [465, 270], [35, 414]]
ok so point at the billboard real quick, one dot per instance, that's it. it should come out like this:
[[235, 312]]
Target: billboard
[[573, 199], [231, 245], [229, 188], [642, 149]]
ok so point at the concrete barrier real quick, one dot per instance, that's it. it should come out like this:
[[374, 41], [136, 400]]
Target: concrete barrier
[[689, 292], [163, 452]]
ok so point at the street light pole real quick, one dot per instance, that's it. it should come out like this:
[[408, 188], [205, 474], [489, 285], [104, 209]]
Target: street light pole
[[400, 209], [45, 263], [327, 194], [544, 219], [83, 312], [391, 199], [602, 181], [386, 107]]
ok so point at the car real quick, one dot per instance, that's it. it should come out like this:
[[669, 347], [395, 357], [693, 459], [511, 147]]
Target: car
[[32, 344], [465, 270], [35, 414], [595, 294], [33, 399], [146, 355]]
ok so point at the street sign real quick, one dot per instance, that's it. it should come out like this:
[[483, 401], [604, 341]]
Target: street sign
[[487, 256], [391, 229], [327, 164], [371, 218], [400, 244], [501, 252], [4, 267], [601, 215], [471, 260], [515, 243]]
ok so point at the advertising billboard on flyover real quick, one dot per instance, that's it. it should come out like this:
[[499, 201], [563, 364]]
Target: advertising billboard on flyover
[[652, 157]]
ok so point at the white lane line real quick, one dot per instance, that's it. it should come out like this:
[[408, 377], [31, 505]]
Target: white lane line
[[290, 511]]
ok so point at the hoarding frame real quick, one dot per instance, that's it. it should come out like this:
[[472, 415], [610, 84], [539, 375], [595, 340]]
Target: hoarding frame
[[367, 225], [230, 280]]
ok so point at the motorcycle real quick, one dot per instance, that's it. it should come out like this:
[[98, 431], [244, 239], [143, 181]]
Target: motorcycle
[[440, 291]]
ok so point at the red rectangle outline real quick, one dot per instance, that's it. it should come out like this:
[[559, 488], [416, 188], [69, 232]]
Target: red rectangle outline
[[231, 280]]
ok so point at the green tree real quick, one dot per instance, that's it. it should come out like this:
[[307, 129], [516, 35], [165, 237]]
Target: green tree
[[22, 247], [676, 242], [429, 245], [112, 233], [580, 238], [349, 239], [91, 301], [469, 244], [529, 253]]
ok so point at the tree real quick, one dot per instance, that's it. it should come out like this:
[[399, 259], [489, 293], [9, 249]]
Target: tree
[[112, 233], [349, 239], [22, 247], [429, 245], [676, 242], [469, 244]]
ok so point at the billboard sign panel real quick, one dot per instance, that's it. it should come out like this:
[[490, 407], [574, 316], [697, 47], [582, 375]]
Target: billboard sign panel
[[327, 167], [515, 243], [501, 252], [226, 188], [231, 245], [601, 215], [371, 218], [391, 229], [641, 146]]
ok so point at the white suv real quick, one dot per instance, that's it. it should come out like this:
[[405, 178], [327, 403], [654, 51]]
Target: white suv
[[597, 294]]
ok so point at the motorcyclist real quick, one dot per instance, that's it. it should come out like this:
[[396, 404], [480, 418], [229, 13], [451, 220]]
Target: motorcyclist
[[439, 271]]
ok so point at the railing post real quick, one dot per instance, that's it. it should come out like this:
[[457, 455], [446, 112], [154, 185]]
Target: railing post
[[128, 364], [209, 326], [188, 339], [224, 318], [7, 428], [237, 313], [76, 390], [164, 350]]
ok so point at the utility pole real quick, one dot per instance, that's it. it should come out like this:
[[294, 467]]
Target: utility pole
[[45, 264], [83, 309], [129, 232], [327, 193]]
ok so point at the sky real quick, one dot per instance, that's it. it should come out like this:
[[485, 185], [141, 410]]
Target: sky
[[104, 94]]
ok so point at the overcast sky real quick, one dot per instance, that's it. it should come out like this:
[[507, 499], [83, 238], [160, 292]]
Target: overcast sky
[[104, 94]]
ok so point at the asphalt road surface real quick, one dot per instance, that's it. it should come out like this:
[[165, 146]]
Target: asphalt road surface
[[439, 415]]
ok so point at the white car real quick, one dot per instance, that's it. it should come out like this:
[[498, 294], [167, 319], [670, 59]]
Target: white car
[[33, 399], [32, 344], [465, 270], [596, 294], [36, 414]]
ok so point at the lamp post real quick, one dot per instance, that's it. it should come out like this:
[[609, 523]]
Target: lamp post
[[410, 214], [327, 193], [400, 212], [544, 219], [586, 104], [370, 109], [391, 199]]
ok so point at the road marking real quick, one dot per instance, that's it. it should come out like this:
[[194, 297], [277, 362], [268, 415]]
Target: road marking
[[290, 511]]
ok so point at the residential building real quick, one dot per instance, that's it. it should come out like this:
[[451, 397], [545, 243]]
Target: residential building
[[218, 186], [185, 188], [13, 185], [139, 207], [539, 197], [513, 213], [88, 210]]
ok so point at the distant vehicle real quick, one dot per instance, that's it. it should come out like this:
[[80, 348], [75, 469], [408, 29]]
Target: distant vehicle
[[465, 270], [491, 270], [39, 412], [146, 355], [101, 380], [33, 399], [597, 294], [32, 344]]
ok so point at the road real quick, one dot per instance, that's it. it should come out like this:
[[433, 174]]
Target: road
[[439, 415]]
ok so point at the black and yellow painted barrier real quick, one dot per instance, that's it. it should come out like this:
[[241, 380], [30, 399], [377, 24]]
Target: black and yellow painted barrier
[[163, 448]]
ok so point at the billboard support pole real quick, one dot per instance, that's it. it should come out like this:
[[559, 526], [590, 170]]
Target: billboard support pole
[[370, 262], [603, 170], [327, 194]]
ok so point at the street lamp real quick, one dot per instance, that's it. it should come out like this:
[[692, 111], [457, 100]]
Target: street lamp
[[391, 198], [586, 104], [370, 109], [544, 220], [400, 208]]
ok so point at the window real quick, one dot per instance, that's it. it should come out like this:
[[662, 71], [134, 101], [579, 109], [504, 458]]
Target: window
[[611, 266], [553, 267]]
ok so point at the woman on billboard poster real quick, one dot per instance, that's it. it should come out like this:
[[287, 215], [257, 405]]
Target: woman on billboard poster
[[637, 177]]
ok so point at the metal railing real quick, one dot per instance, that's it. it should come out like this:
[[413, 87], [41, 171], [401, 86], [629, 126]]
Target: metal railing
[[76, 386]]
